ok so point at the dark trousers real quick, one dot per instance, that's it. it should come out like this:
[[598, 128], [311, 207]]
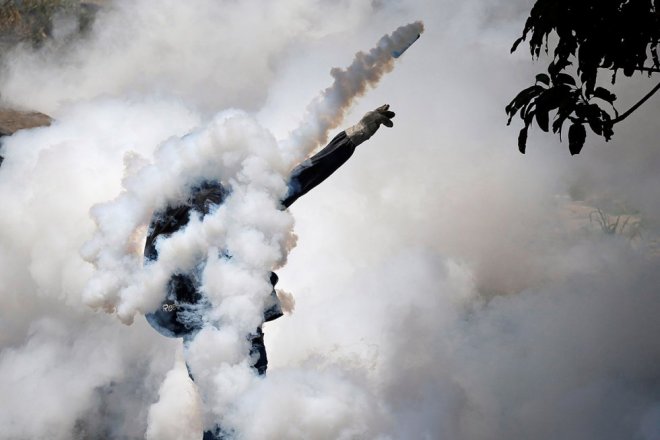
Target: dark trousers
[[174, 319], [258, 351]]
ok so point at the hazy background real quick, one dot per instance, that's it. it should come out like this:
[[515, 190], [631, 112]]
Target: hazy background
[[446, 286]]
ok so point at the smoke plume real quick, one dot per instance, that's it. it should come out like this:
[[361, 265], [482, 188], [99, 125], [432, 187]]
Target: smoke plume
[[327, 111]]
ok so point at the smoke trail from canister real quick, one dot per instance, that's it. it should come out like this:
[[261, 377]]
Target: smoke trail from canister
[[327, 110]]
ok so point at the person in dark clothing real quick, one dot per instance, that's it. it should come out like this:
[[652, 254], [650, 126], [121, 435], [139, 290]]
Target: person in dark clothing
[[181, 314]]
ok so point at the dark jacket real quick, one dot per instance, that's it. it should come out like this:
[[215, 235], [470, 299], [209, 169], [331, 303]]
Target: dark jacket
[[182, 311]]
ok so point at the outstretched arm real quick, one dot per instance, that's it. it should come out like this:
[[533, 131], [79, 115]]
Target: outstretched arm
[[319, 167]]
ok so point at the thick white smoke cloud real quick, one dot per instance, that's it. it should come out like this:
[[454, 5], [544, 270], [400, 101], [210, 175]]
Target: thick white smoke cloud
[[443, 287], [232, 149]]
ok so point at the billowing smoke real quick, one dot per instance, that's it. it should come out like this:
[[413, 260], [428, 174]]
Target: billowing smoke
[[232, 149], [235, 150], [446, 286]]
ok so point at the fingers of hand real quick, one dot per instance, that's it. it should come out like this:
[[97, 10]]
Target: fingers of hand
[[382, 115], [385, 115], [385, 109], [385, 119]]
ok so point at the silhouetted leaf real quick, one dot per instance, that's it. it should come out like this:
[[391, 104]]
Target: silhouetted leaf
[[608, 132], [607, 125], [521, 100], [542, 119], [529, 115], [515, 44], [557, 124], [593, 112], [581, 111], [557, 66], [564, 78], [596, 126], [543, 78], [576, 137], [553, 97], [588, 83], [522, 140], [562, 114], [604, 94]]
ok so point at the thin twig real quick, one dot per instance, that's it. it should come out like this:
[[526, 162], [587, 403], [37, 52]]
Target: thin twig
[[636, 106], [649, 69]]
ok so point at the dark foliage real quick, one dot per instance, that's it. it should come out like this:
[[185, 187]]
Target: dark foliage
[[593, 36], [31, 21]]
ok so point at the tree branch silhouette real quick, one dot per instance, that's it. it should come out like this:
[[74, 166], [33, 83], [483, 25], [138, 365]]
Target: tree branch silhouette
[[627, 113], [595, 35]]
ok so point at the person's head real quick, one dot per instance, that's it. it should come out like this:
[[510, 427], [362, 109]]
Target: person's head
[[207, 194]]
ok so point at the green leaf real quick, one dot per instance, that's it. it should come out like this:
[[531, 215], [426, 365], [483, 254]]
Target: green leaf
[[576, 137], [522, 140]]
